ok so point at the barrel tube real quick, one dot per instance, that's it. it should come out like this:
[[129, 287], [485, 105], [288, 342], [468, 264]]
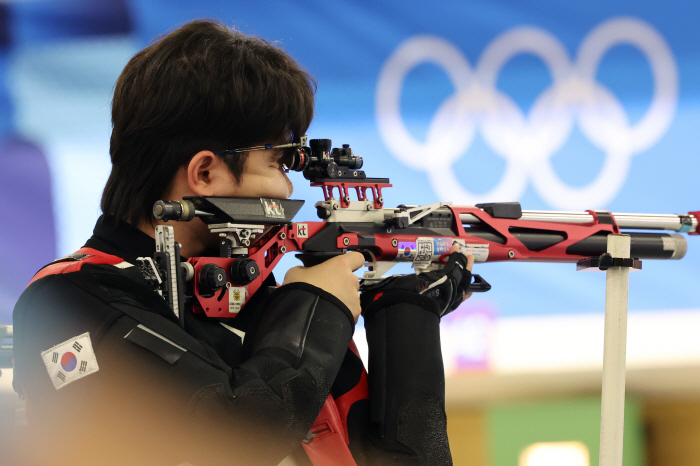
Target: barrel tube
[[625, 221], [659, 246]]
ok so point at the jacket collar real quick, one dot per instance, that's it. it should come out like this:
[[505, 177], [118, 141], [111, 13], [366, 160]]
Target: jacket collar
[[121, 239]]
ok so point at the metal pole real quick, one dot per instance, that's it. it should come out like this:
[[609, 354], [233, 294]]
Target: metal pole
[[615, 350]]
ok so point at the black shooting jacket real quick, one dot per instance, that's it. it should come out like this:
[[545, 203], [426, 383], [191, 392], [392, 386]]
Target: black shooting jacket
[[245, 391]]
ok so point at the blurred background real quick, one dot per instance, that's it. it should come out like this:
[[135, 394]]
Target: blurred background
[[557, 105]]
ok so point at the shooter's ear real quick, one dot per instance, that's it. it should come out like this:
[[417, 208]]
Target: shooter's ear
[[208, 174]]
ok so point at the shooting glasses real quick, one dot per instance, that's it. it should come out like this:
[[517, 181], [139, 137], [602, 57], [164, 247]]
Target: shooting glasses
[[293, 156]]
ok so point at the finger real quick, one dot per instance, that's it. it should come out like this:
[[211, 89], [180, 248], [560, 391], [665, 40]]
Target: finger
[[354, 259], [456, 247], [291, 274], [466, 296], [356, 313]]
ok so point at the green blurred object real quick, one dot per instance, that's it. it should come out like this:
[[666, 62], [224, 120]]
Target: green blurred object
[[514, 427]]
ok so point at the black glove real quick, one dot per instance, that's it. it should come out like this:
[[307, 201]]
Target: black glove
[[445, 286]]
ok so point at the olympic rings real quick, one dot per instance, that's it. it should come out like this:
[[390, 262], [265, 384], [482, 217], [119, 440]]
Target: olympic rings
[[527, 142]]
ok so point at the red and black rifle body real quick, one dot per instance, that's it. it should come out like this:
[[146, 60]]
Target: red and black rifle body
[[255, 233]]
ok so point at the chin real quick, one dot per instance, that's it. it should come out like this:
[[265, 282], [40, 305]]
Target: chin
[[283, 191], [273, 194]]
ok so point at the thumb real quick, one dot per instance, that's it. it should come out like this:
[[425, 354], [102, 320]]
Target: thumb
[[354, 260], [470, 262]]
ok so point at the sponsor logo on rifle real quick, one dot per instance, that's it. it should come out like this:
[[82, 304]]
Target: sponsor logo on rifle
[[273, 208]]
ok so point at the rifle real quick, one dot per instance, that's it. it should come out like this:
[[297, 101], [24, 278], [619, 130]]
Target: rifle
[[254, 234]]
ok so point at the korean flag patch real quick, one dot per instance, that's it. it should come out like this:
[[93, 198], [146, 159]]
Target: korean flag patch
[[70, 360]]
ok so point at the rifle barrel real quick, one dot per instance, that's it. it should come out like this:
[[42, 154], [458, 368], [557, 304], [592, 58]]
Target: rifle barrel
[[673, 222]]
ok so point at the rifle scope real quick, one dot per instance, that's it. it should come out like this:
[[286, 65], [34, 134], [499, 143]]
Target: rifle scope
[[324, 162]]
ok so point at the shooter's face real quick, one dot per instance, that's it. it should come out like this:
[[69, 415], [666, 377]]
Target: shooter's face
[[262, 177]]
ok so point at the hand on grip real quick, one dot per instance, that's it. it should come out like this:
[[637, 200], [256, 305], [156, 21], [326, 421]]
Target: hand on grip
[[334, 276], [448, 286]]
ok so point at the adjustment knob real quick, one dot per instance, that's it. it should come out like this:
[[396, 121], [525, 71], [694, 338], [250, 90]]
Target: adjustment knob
[[174, 210], [319, 147], [211, 278], [332, 170], [244, 271]]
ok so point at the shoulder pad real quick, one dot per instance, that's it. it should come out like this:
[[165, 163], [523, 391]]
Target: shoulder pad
[[74, 262]]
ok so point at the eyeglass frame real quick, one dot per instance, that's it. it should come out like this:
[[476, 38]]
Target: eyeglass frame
[[302, 143]]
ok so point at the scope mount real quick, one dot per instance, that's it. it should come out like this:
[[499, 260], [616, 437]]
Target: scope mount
[[361, 186]]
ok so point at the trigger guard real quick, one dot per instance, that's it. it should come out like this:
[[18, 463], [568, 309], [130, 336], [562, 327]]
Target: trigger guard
[[377, 269], [371, 264]]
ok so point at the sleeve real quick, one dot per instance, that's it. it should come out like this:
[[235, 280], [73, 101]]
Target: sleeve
[[406, 379], [190, 407], [295, 353]]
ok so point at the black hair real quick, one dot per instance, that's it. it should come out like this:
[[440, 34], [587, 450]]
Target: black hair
[[203, 86]]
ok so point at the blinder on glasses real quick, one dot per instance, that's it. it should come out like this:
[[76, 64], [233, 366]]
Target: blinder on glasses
[[293, 158]]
